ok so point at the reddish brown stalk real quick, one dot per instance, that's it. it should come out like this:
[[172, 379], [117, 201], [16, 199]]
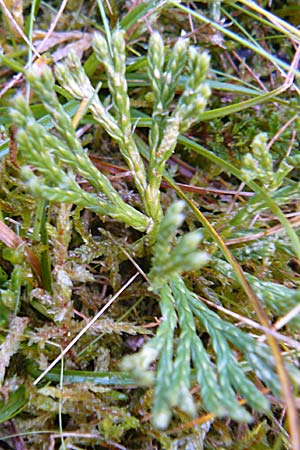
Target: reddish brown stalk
[[112, 168], [12, 240]]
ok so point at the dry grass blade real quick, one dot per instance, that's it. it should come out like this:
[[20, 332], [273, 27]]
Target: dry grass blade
[[287, 318], [281, 24], [17, 27], [37, 52], [295, 222], [53, 25]]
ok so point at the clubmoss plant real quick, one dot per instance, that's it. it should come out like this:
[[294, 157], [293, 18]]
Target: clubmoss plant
[[260, 166], [280, 299], [52, 163], [58, 184], [181, 308], [166, 126]]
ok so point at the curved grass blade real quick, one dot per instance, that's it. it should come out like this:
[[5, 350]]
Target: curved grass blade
[[15, 403], [235, 37]]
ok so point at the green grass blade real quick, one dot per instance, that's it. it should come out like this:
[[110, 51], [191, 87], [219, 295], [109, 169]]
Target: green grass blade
[[235, 37], [15, 403], [118, 379]]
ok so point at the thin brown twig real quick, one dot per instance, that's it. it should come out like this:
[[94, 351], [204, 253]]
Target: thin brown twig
[[84, 329], [112, 168], [281, 130], [248, 68]]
